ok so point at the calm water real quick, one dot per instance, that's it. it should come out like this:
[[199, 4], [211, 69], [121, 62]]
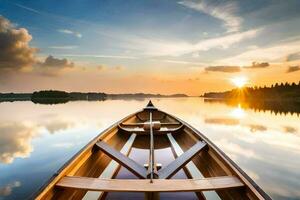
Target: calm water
[[35, 140]]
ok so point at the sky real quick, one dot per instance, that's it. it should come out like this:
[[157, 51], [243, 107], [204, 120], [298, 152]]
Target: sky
[[152, 46]]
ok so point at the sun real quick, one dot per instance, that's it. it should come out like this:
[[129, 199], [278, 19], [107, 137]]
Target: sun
[[239, 81]]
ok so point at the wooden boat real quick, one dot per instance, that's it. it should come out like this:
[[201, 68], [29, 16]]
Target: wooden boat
[[123, 163]]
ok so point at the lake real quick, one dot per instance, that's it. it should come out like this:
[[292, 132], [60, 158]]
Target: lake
[[36, 140]]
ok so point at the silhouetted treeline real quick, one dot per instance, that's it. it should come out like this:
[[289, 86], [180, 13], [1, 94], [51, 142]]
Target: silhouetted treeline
[[55, 96], [15, 97], [282, 91], [50, 94]]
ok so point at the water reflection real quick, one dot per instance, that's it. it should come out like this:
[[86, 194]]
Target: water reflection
[[276, 107], [15, 141], [35, 139], [222, 121], [7, 189], [238, 112]]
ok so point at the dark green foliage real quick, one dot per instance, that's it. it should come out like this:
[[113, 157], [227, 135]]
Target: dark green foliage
[[50, 94]]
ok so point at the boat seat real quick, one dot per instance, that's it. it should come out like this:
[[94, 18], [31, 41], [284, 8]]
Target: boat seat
[[123, 160], [171, 169], [142, 185], [141, 131], [155, 125]]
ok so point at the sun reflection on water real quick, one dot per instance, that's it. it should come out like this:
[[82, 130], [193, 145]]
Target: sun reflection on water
[[238, 112]]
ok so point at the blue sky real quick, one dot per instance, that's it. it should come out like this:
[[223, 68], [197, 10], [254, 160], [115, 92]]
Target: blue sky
[[159, 35]]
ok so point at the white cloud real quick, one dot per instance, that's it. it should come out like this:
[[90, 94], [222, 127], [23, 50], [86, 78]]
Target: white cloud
[[182, 62], [152, 47], [99, 56], [63, 47], [276, 53], [67, 31], [225, 12]]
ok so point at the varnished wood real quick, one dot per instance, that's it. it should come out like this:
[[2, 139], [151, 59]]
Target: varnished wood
[[142, 131], [123, 160], [181, 161], [111, 169], [142, 124], [158, 185], [192, 170], [211, 163]]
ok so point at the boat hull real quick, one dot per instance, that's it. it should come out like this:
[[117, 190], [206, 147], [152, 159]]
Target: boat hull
[[203, 163]]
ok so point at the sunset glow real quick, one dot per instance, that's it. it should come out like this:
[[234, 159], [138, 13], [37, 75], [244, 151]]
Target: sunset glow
[[239, 81], [168, 47]]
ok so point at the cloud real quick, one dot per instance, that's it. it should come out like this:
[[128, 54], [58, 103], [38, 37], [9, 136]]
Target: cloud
[[227, 69], [150, 47], [53, 66], [183, 62], [58, 125], [15, 51], [289, 129], [293, 57], [17, 55], [106, 68], [67, 31], [118, 68], [292, 69], [8, 188], [222, 121], [258, 65], [63, 47], [278, 52], [225, 12], [15, 141], [236, 151], [99, 56], [27, 8], [256, 127]]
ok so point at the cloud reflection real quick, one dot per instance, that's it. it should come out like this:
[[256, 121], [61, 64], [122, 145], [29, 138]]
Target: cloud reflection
[[15, 141], [222, 121], [290, 129], [57, 125], [257, 127], [8, 188]]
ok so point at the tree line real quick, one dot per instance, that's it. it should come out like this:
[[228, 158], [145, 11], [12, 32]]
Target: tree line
[[289, 91]]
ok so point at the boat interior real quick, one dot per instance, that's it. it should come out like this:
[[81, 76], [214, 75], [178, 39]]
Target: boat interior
[[150, 155]]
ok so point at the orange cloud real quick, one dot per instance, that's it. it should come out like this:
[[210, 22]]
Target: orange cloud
[[227, 69], [14, 44]]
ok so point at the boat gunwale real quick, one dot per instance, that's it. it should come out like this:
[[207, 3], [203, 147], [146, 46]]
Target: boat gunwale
[[39, 193]]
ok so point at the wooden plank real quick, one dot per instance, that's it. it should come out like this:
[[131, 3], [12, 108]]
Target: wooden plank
[[191, 167], [123, 160], [181, 161], [142, 124], [111, 169], [143, 185], [141, 131]]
